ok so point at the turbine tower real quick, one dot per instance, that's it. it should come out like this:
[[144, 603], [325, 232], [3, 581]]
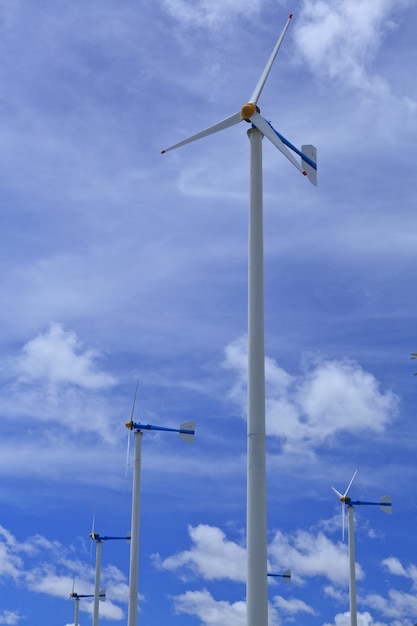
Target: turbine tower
[[97, 592], [386, 506], [77, 596], [256, 531], [186, 433]]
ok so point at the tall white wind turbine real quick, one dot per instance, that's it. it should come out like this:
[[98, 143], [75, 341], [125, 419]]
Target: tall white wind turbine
[[386, 506], [186, 433], [256, 531], [97, 592]]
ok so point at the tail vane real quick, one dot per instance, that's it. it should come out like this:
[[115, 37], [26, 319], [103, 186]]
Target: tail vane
[[311, 172]]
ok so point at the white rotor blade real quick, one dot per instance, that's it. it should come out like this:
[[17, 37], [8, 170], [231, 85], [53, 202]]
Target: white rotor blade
[[129, 432], [265, 128], [130, 425], [337, 492], [258, 89], [229, 121], [134, 400], [350, 484], [92, 535], [343, 522]]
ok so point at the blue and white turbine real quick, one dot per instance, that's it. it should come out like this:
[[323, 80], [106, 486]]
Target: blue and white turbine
[[386, 506], [97, 592], [77, 596], [186, 433], [286, 575], [306, 163]]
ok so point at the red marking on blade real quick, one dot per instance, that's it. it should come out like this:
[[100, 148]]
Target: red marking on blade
[[290, 16], [304, 173], [163, 151]]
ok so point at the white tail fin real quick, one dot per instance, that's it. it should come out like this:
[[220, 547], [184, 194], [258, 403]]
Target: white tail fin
[[386, 505], [188, 437], [311, 172]]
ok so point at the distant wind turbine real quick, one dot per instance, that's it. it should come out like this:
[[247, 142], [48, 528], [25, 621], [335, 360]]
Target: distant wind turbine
[[286, 576], [186, 433], [256, 532], [77, 596], [97, 592], [386, 506]]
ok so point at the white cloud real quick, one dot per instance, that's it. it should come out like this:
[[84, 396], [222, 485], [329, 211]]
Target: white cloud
[[10, 562], [396, 605], [211, 556], [57, 379], [213, 612], [364, 619], [394, 566], [305, 411], [209, 611], [9, 617], [208, 13], [292, 606], [310, 554], [339, 38], [58, 357], [46, 567]]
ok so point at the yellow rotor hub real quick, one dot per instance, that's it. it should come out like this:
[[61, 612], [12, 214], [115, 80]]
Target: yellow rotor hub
[[248, 110]]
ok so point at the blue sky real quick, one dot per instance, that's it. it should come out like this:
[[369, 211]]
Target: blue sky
[[120, 264]]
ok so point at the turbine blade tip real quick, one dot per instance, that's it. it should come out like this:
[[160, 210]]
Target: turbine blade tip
[[290, 16], [163, 151]]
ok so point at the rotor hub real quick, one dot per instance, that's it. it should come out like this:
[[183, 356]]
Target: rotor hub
[[248, 110]]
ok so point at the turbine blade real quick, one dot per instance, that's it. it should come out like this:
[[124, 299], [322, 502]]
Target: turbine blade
[[129, 432], [343, 522], [134, 400], [267, 130], [229, 121], [337, 492], [350, 484], [261, 82], [92, 534], [129, 425]]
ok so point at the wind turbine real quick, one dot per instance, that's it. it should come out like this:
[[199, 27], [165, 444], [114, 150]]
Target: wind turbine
[[97, 592], [77, 596], [286, 576], [386, 506], [256, 531], [186, 433]]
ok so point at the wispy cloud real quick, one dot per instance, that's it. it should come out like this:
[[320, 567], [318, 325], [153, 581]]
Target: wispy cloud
[[209, 13], [58, 357], [339, 39], [329, 398], [48, 567], [9, 617]]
